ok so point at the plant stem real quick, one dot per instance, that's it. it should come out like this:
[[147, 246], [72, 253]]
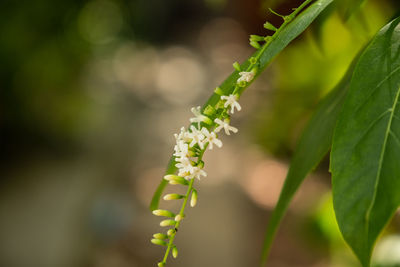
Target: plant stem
[[288, 19], [181, 212]]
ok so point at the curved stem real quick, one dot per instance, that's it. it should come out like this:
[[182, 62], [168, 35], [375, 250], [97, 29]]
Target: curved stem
[[288, 19], [181, 212]]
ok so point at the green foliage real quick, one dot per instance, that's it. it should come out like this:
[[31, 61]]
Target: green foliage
[[286, 33], [366, 145], [313, 146], [359, 120]]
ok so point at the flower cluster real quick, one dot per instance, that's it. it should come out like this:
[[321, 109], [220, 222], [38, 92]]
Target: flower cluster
[[190, 146]]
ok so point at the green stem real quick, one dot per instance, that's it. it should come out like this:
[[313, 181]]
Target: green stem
[[181, 212], [288, 19]]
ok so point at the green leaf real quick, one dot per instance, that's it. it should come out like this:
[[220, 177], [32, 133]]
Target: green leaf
[[283, 38], [366, 145], [313, 145]]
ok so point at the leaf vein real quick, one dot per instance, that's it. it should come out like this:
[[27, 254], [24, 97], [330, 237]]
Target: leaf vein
[[396, 139], [377, 87], [380, 163], [371, 125]]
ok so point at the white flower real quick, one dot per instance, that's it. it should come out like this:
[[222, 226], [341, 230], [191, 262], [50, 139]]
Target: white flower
[[231, 100], [181, 149], [184, 166], [245, 76], [197, 172], [211, 138], [224, 124], [197, 137], [182, 136], [199, 117]]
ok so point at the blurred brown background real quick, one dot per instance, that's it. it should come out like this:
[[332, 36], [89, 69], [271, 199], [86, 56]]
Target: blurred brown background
[[91, 94]]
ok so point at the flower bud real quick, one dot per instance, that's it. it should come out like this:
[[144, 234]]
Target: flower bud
[[206, 120], [179, 217], [200, 164], [170, 177], [160, 236], [165, 213], [161, 264], [158, 242], [270, 27], [209, 110], [173, 196], [253, 60], [255, 44], [174, 179], [171, 232], [167, 223], [236, 66], [174, 252], [219, 91], [242, 84], [256, 38], [193, 199]]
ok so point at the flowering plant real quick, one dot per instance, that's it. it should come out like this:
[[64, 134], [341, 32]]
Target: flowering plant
[[358, 121]]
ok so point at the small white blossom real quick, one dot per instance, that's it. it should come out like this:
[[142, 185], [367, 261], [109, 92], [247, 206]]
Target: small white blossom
[[181, 149], [196, 172], [245, 76], [210, 138], [199, 117], [197, 137], [182, 136], [184, 166], [224, 124], [231, 101]]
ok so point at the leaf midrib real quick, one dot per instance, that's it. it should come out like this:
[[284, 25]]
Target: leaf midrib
[[381, 157]]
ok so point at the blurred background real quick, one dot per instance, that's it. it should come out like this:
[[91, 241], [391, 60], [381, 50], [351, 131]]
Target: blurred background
[[91, 94]]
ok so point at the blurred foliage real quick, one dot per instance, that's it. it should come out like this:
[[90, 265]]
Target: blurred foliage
[[50, 100], [309, 68]]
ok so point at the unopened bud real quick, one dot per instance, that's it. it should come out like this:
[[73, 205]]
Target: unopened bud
[[170, 177], [158, 242], [174, 179], [256, 38], [270, 27], [167, 223], [161, 264], [236, 66], [165, 213], [160, 236], [209, 110], [200, 164], [174, 252], [253, 60], [206, 120], [255, 44], [193, 199], [219, 91], [173, 196], [179, 217], [171, 232]]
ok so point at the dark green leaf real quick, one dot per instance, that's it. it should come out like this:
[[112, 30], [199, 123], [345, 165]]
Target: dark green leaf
[[366, 145], [290, 32], [314, 144]]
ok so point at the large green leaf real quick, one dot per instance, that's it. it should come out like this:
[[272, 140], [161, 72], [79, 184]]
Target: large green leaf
[[313, 145], [285, 36], [366, 145]]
